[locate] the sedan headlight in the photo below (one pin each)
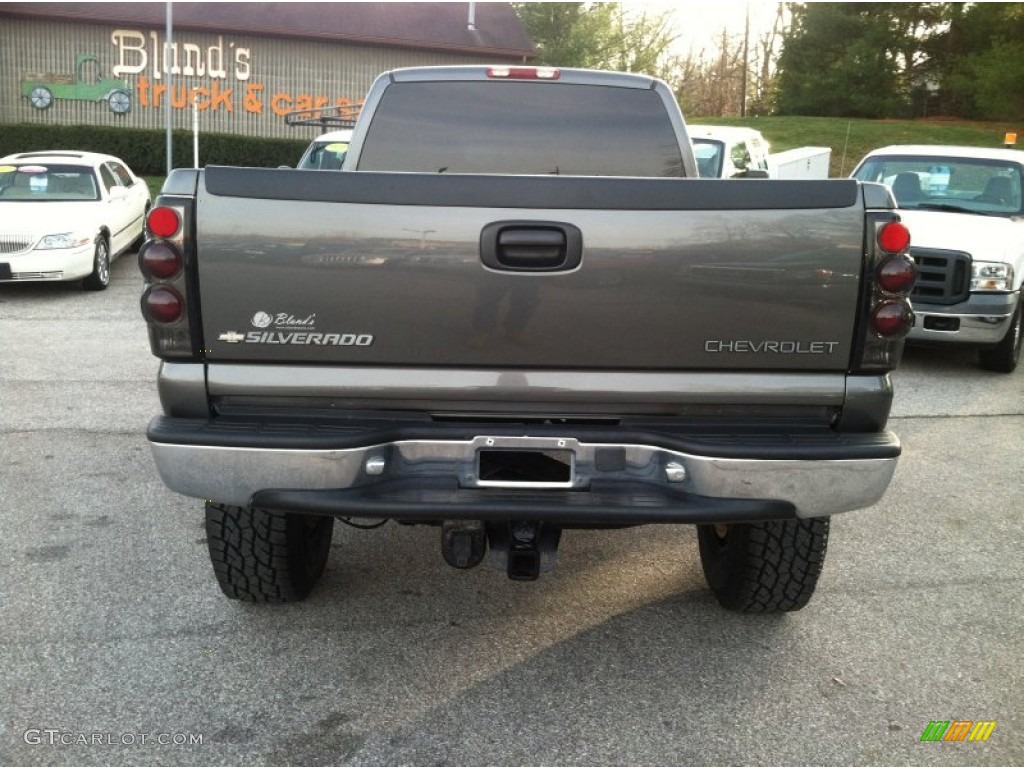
(63, 240)
(991, 276)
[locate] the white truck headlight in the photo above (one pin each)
(63, 240)
(991, 276)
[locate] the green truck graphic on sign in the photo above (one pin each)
(87, 84)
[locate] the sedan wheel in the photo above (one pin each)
(100, 277)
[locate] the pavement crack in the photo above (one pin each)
(933, 416)
(76, 431)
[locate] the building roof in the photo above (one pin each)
(497, 30)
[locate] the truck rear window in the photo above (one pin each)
(521, 128)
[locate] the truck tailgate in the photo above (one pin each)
(393, 269)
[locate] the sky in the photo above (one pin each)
(699, 24)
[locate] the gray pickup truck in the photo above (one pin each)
(514, 312)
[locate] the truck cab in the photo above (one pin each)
(326, 152)
(727, 152)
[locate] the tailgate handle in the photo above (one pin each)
(527, 246)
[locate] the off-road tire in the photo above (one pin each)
(266, 557)
(765, 567)
(1005, 355)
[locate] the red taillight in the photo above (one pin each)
(524, 73)
(893, 237)
(890, 276)
(159, 260)
(896, 275)
(892, 319)
(162, 261)
(163, 305)
(163, 222)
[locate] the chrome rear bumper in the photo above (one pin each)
(806, 487)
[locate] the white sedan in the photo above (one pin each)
(66, 215)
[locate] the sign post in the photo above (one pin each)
(167, 104)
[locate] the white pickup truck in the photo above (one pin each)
(732, 152)
(729, 152)
(326, 152)
(964, 206)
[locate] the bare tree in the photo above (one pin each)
(769, 45)
(710, 83)
(732, 78)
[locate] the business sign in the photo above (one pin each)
(217, 77)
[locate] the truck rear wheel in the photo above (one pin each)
(266, 557)
(1005, 355)
(764, 567)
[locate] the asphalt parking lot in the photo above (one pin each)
(118, 648)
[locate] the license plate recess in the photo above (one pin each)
(525, 463)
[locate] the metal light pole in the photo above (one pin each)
(746, 60)
(167, 103)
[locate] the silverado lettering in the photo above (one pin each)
(337, 339)
(541, 266)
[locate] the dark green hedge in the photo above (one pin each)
(144, 150)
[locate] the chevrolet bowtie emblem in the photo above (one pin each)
(232, 337)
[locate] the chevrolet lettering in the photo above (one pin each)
(772, 347)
